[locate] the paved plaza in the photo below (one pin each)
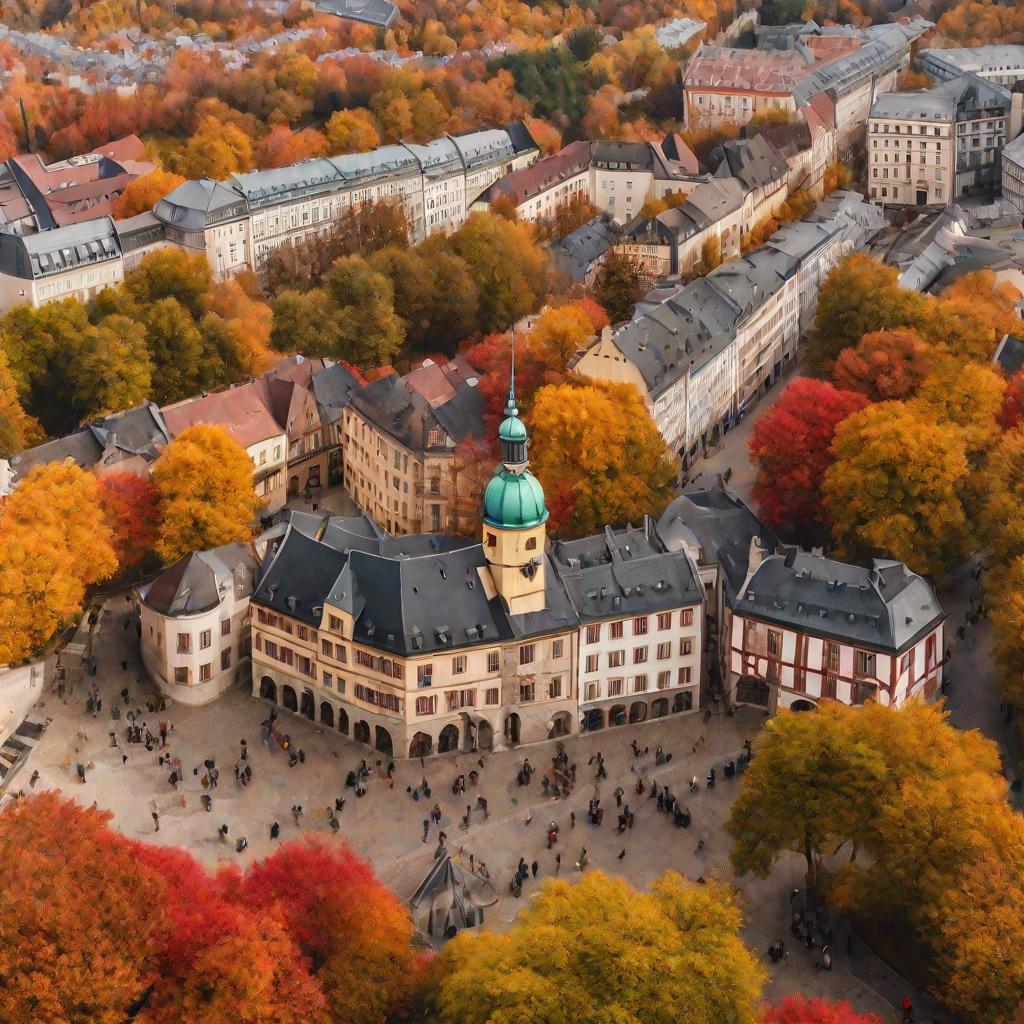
(386, 825)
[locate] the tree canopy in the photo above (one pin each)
(884, 365)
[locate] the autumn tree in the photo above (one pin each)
(971, 315)
(354, 932)
(558, 961)
(368, 331)
(169, 273)
(351, 131)
(18, 430)
(562, 330)
(281, 146)
(884, 365)
(860, 296)
(894, 488)
(801, 1010)
(599, 456)
(215, 150)
(791, 446)
(204, 478)
(1001, 486)
(132, 507)
(112, 369)
(141, 194)
(1012, 411)
(619, 285)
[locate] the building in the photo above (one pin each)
(678, 32)
(926, 148)
(378, 13)
(399, 436)
(1012, 174)
(128, 442)
(424, 644)
(195, 629)
(803, 628)
(1009, 355)
(237, 223)
(641, 611)
(1000, 63)
(552, 182)
(333, 387)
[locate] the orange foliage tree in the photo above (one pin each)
(132, 507)
(142, 194)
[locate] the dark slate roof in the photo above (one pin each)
(753, 161)
(194, 205)
(40, 255)
(574, 254)
(719, 526)
(333, 387)
(297, 575)
(142, 229)
(625, 572)
(196, 582)
(522, 140)
(1010, 355)
(886, 607)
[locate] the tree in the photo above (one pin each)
(507, 267)
(176, 348)
(141, 194)
(807, 791)
(18, 430)
(1013, 402)
(304, 322)
(884, 365)
(112, 370)
(352, 930)
(562, 960)
(368, 331)
(215, 150)
(598, 455)
(800, 1010)
(169, 273)
(281, 146)
(791, 445)
(351, 131)
(972, 314)
(204, 478)
(860, 296)
(132, 507)
(429, 118)
(562, 330)
(1001, 486)
(619, 285)
(895, 488)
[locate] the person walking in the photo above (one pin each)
(156, 820)
(244, 755)
(296, 813)
(908, 1010)
(558, 863)
(534, 867)
(426, 828)
(275, 830)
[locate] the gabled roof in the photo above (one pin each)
(196, 583)
(333, 387)
(240, 410)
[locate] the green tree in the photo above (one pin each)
(112, 371)
(304, 322)
(599, 951)
(619, 285)
(369, 332)
(169, 274)
(895, 488)
(204, 478)
(176, 348)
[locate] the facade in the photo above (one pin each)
(195, 623)
(237, 223)
(399, 436)
(926, 148)
(641, 612)
(804, 628)
(1012, 174)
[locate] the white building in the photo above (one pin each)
(1000, 63)
(804, 628)
(1012, 173)
(195, 638)
(641, 612)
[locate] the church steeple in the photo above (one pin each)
(513, 439)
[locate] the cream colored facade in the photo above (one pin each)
(82, 282)
(911, 162)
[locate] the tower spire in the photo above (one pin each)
(510, 407)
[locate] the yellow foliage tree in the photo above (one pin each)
(562, 331)
(204, 478)
(972, 314)
(351, 131)
(142, 194)
(216, 150)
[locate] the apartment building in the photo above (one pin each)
(641, 625)
(1012, 174)
(237, 223)
(999, 63)
(804, 628)
(195, 631)
(399, 436)
(927, 148)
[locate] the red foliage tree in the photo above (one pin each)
(884, 365)
(790, 444)
(1013, 402)
(798, 1010)
(132, 506)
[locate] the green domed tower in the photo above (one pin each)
(514, 534)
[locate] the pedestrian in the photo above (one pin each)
(339, 804)
(618, 796)
(908, 1010)
(35, 778)
(124, 668)
(572, 819)
(156, 820)
(275, 830)
(245, 751)
(426, 828)
(534, 867)
(296, 813)
(558, 863)
(124, 760)
(222, 832)
(622, 854)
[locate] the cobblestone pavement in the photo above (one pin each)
(385, 826)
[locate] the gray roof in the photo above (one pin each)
(625, 572)
(752, 279)
(197, 582)
(57, 250)
(959, 98)
(194, 205)
(993, 57)
(678, 32)
(1010, 355)
(138, 231)
(379, 13)
(887, 607)
(332, 388)
(753, 161)
(720, 527)
(575, 253)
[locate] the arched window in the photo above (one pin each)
(531, 543)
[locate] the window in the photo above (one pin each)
(328, 680)
(531, 543)
(424, 675)
(685, 646)
(555, 687)
(665, 620)
(493, 661)
(615, 687)
(269, 647)
(831, 686)
(832, 657)
(616, 630)
(616, 659)
(459, 665)
(426, 705)
(491, 540)
(181, 675)
(774, 642)
(664, 651)
(557, 647)
(303, 633)
(639, 655)
(526, 654)
(864, 662)
(225, 659)
(664, 680)
(686, 617)
(225, 627)
(184, 643)
(527, 692)
(491, 695)
(640, 626)
(639, 684)
(685, 675)
(335, 623)
(593, 691)
(592, 663)
(205, 672)
(327, 647)
(593, 634)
